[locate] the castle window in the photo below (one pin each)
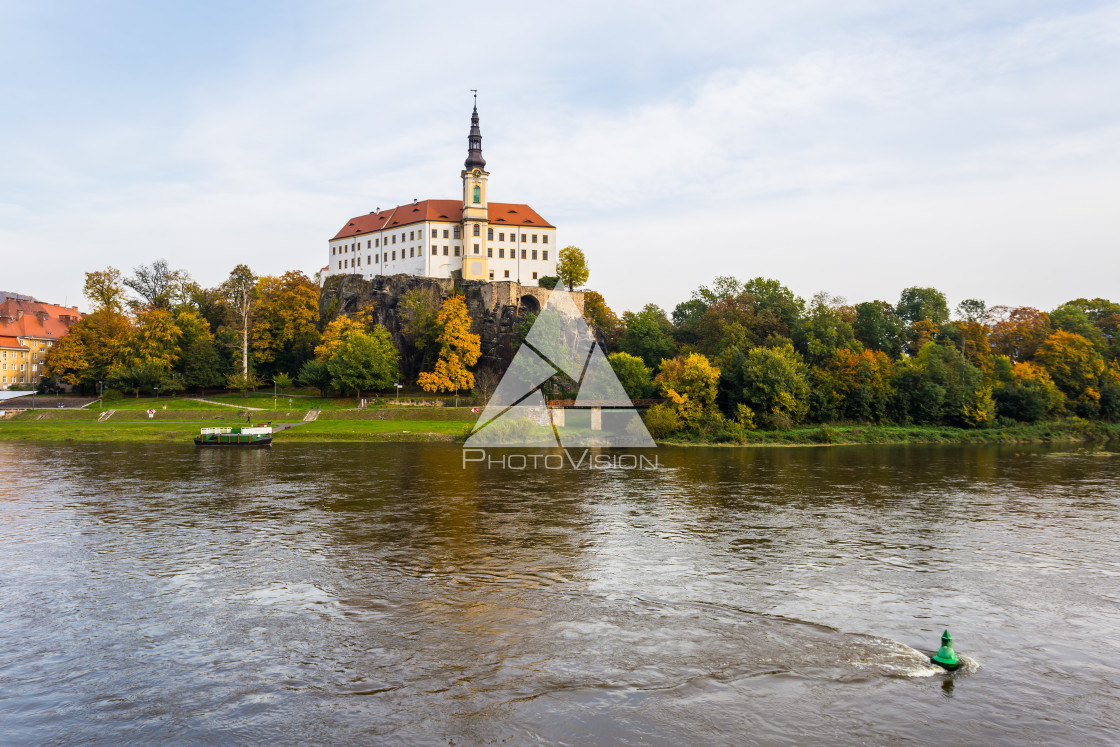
(544, 253)
(369, 244)
(489, 251)
(358, 261)
(544, 240)
(507, 273)
(524, 237)
(435, 233)
(435, 250)
(501, 237)
(412, 236)
(534, 238)
(476, 231)
(501, 252)
(489, 234)
(410, 253)
(377, 258)
(340, 264)
(394, 255)
(523, 253)
(534, 276)
(476, 248)
(477, 194)
(402, 241)
(534, 254)
(491, 274)
(445, 233)
(458, 232)
(445, 251)
(456, 250)
(377, 242)
(394, 240)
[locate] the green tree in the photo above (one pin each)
(916, 304)
(365, 362)
(648, 335)
(572, 267)
(632, 374)
(878, 327)
(772, 382)
(315, 373)
(240, 292)
(142, 376)
(973, 310)
(419, 317)
(938, 386)
(158, 286)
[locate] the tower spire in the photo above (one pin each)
(474, 140)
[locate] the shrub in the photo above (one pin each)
(662, 420)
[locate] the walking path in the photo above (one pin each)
(105, 416)
(311, 416)
(226, 404)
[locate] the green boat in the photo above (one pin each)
(254, 435)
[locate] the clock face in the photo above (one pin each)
(478, 172)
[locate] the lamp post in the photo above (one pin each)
(274, 394)
(156, 388)
(398, 386)
(101, 395)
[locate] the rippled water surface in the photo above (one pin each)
(382, 593)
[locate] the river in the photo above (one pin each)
(386, 594)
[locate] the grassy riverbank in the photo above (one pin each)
(183, 419)
(1065, 431)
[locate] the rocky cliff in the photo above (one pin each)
(495, 309)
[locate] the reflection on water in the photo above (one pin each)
(343, 593)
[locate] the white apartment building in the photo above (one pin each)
(433, 238)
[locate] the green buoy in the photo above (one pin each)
(946, 657)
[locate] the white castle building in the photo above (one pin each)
(485, 240)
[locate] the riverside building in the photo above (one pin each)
(493, 241)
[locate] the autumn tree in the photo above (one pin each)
(600, 316)
(860, 384)
(284, 324)
(1075, 366)
(1020, 333)
(104, 289)
(689, 383)
(419, 312)
(156, 339)
(572, 267)
(459, 350)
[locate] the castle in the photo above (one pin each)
(489, 241)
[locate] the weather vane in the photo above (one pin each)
(475, 92)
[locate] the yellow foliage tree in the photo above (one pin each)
(459, 350)
(689, 383)
(334, 334)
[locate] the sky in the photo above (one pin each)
(857, 148)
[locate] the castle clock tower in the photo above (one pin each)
(475, 218)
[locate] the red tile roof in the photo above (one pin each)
(34, 319)
(11, 342)
(450, 211)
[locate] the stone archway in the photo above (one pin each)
(530, 303)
